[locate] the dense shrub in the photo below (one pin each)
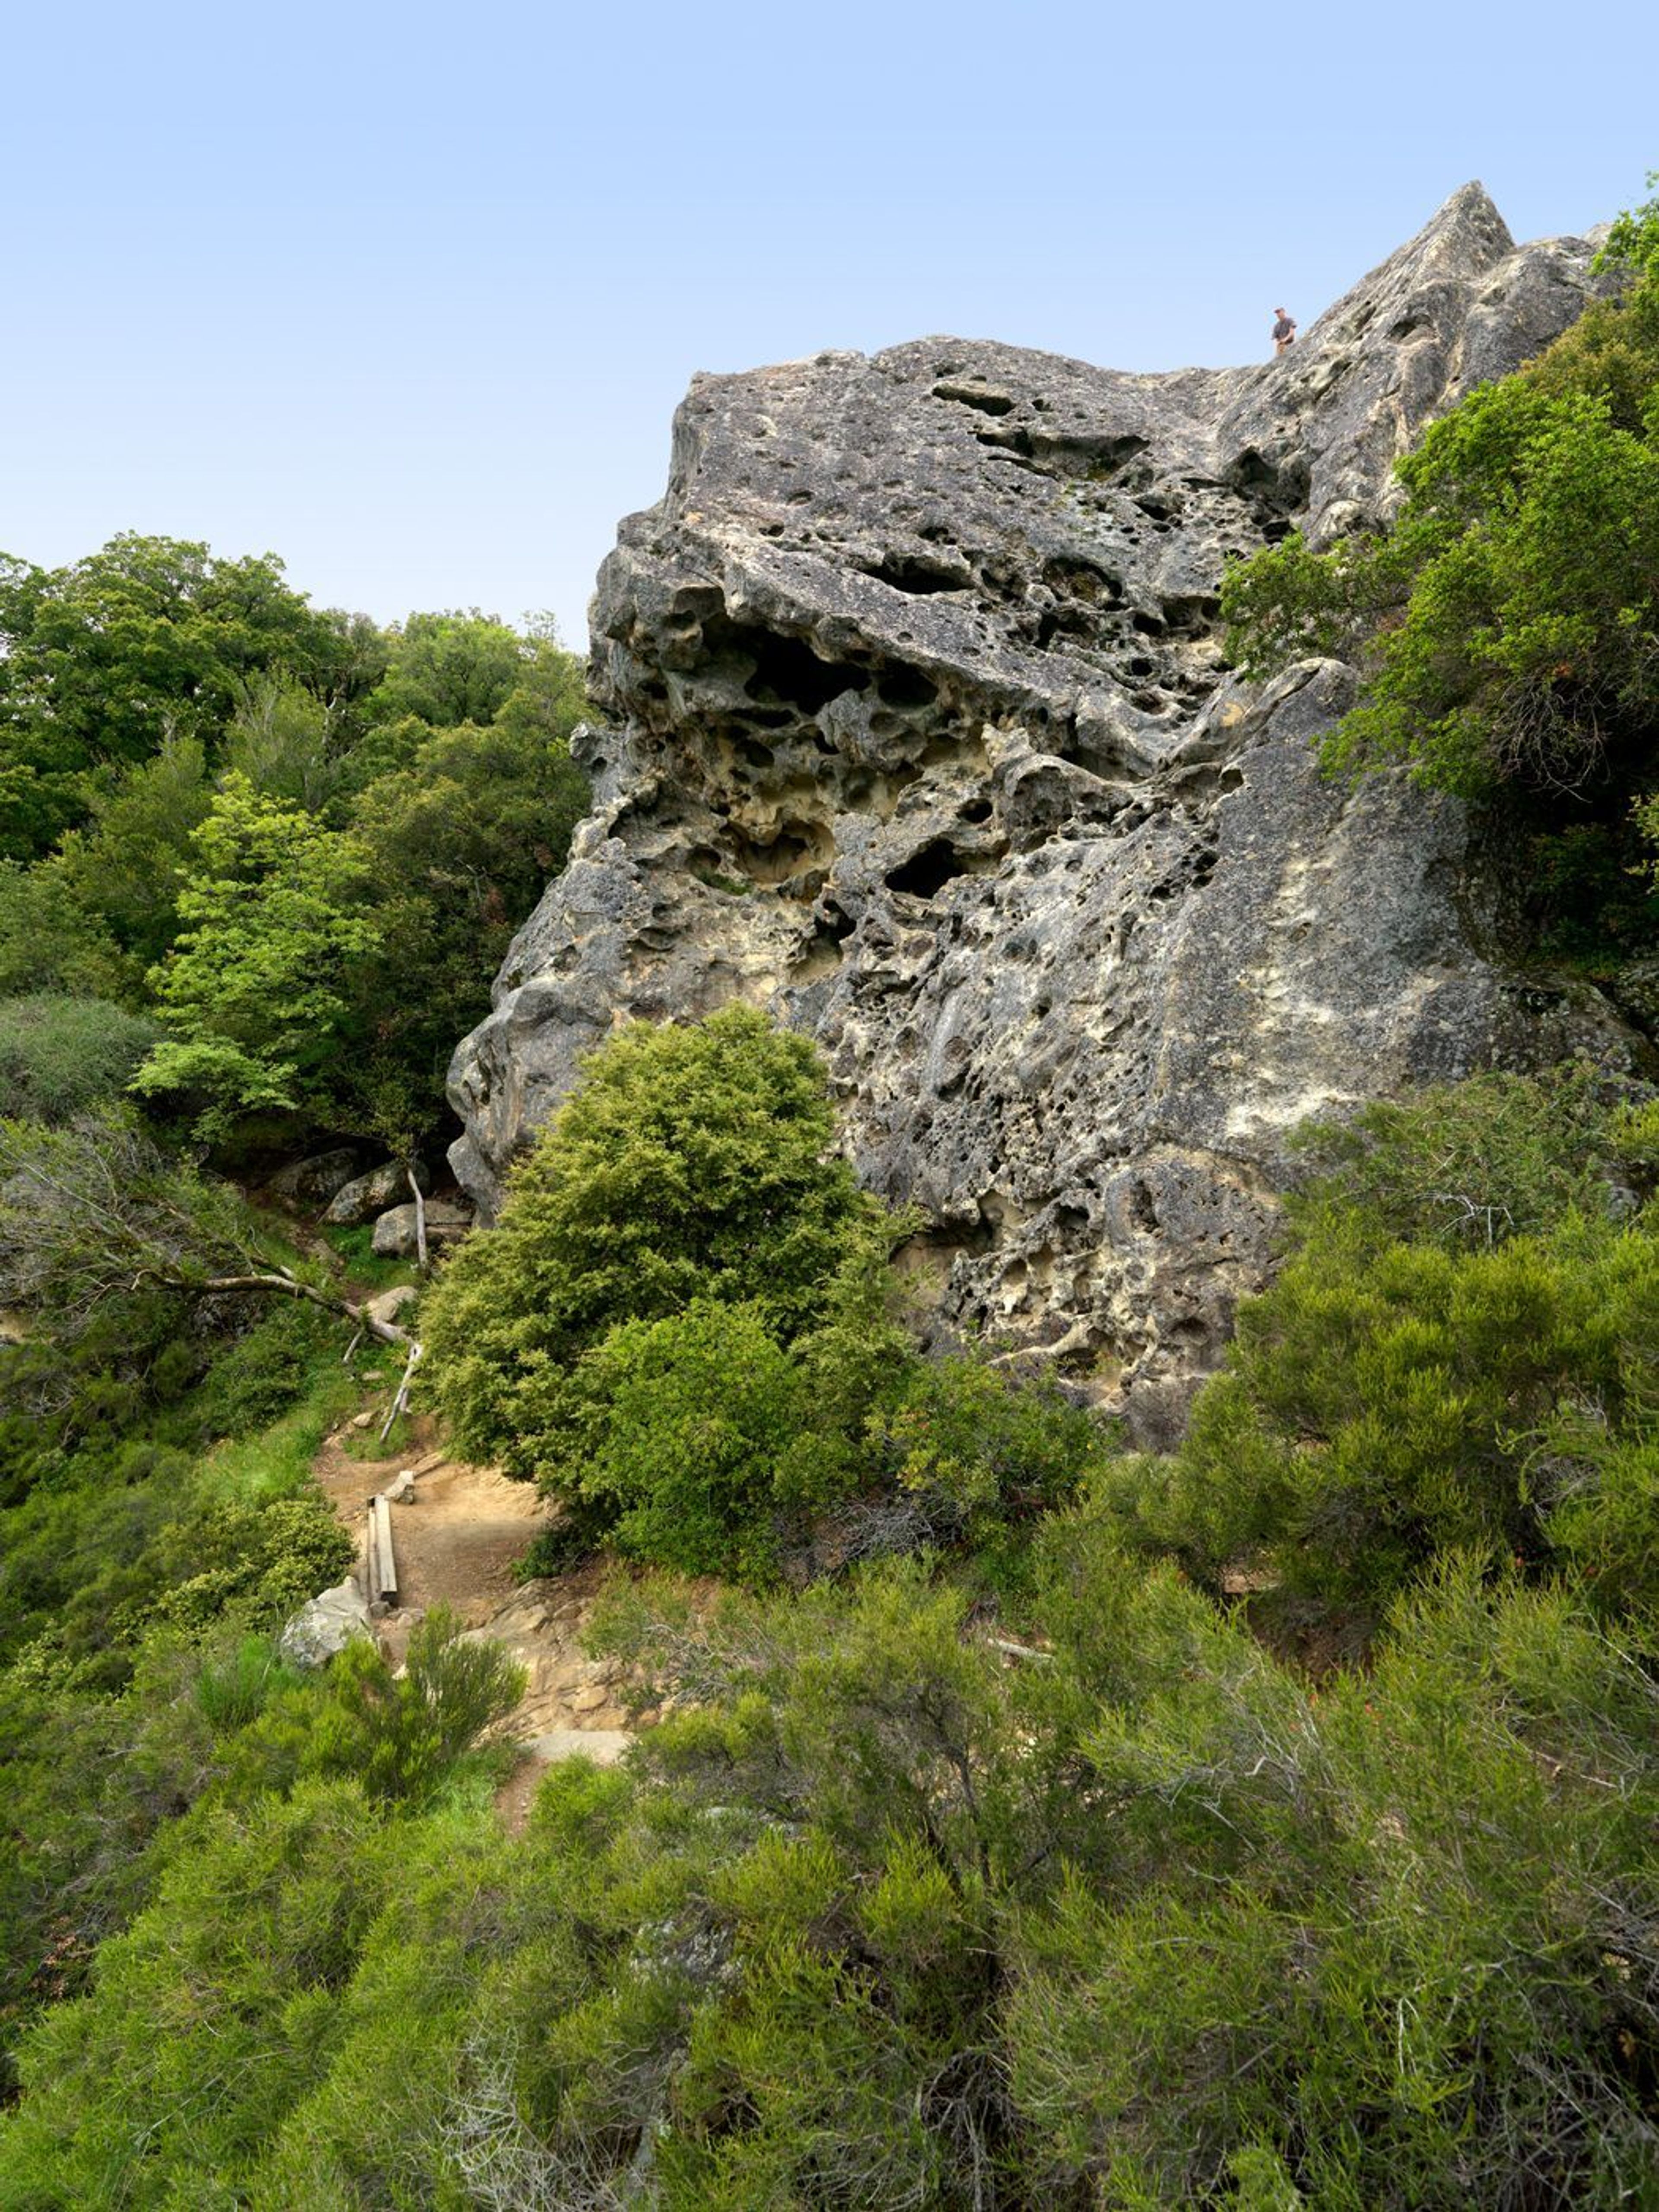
(887, 1916)
(59, 1056)
(1506, 625)
(691, 1164)
(1421, 1378)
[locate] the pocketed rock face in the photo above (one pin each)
(922, 741)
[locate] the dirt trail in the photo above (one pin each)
(456, 1539)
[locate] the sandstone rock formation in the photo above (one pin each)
(923, 741)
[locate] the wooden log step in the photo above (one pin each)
(382, 1562)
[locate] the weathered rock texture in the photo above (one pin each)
(923, 742)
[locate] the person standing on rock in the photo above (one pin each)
(1283, 331)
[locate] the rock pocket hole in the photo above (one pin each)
(927, 872)
(917, 579)
(968, 395)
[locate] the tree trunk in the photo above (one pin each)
(284, 1287)
(420, 1220)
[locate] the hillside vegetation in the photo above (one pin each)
(1035, 1823)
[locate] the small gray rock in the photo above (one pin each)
(313, 1182)
(446, 1221)
(366, 1195)
(326, 1625)
(386, 1306)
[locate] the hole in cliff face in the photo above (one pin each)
(918, 578)
(968, 395)
(796, 849)
(927, 872)
(902, 688)
(1096, 460)
(1280, 486)
(977, 811)
(1191, 617)
(1015, 441)
(1081, 580)
(785, 670)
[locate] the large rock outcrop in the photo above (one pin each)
(922, 740)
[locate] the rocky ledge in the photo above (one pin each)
(922, 740)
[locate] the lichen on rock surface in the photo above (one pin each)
(922, 738)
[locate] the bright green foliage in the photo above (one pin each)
(1467, 1165)
(451, 668)
(1633, 238)
(681, 1325)
(680, 1430)
(50, 944)
(128, 1574)
(972, 1446)
(124, 869)
(886, 1918)
(254, 986)
(1518, 587)
(1421, 1378)
(692, 1163)
(1508, 625)
(398, 1735)
(150, 638)
(284, 739)
(1396, 1942)
(459, 844)
(184, 740)
(206, 2022)
(59, 1056)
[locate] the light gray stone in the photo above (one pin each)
(386, 1306)
(366, 1195)
(605, 1746)
(309, 1183)
(447, 1219)
(919, 736)
(326, 1625)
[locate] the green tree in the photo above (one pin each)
(1456, 1357)
(691, 1163)
(1508, 625)
(451, 668)
(254, 989)
(148, 639)
(125, 867)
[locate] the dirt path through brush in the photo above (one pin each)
(457, 1538)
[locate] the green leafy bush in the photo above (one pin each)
(691, 1164)
(49, 945)
(1420, 1378)
(59, 1056)
(1506, 626)
(680, 1430)
(398, 1733)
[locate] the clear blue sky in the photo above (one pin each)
(408, 295)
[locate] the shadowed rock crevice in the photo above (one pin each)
(919, 736)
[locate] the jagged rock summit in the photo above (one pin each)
(922, 740)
